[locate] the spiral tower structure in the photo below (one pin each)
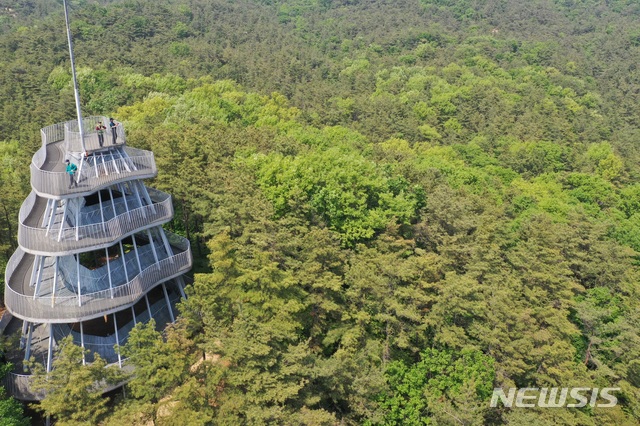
(93, 258)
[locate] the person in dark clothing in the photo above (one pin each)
(100, 128)
(71, 170)
(113, 126)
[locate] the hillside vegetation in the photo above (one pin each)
(396, 206)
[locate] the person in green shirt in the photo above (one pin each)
(71, 170)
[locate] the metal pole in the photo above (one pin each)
(47, 211)
(137, 192)
(135, 249)
(39, 279)
(23, 339)
(124, 261)
(115, 326)
(113, 203)
(146, 299)
(147, 197)
(181, 285)
(50, 351)
(113, 161)
(82, 343)
(78, 223)
(153, 247)
(167, 246)
(78, 272)
(104, 165)
(106, 251)
(52, 212)
(75, 78)
(64, 218)
(166, 297)
(124, 198)
(95, 163)
(27, 353)
(55, 282)
(104, 228)
(34, 270)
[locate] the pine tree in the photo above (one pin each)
(73, 391)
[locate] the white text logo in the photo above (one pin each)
(555, 397)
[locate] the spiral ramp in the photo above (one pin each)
(93, 258)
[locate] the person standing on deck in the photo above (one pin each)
(71, 170)
(100, 128)
(113, 126)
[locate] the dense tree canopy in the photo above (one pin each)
(396, 206)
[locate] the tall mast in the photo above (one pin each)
(75, 79)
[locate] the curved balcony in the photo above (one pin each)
(20, 386)
(49, 179)
(52, 133)
(105, 346)
(20, 301)
(18, 383)
(70, 133)
(91, 142)
(66, 240)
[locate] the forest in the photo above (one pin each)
(395, 206)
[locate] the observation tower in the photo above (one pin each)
(93, 258)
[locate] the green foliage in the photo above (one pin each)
(350, 193)
(257, 368)
(592, 189)
(159, 366)
(11, 411)
(455, 179)
(535, 158)
(440, 378)
(630, 200)
(179, 49)
(603, 161)
(59, 78)
(181, 30)
(72, 390)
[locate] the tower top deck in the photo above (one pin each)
(69, 132)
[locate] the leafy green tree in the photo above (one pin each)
(11, 411)
(349, 192)
(442, 384)
(73, 391)
(605, 162)
(159, 366)
(356, 195)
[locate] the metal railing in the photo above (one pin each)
(91, 140)
(138, 164)
(59, 309)
(39, 157)
(107, 351)
(20, 385)
(70, 133)
(53, 133)
(71, 239)
(12, 265)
